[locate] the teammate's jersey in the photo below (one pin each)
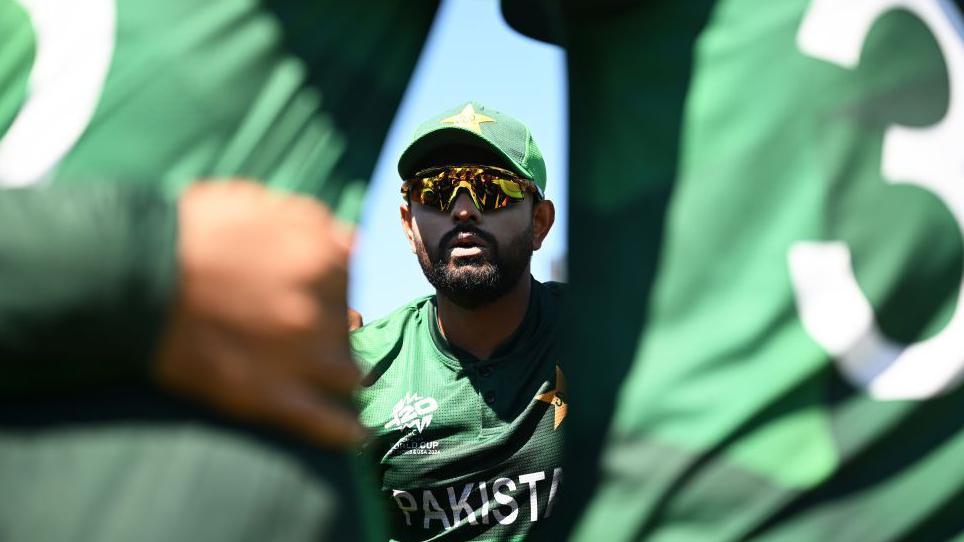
(467, 449)
(765, 265)
(298, 93)
(158, 93)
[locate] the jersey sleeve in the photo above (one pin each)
(374, 343)
(88, 273)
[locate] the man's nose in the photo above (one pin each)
(463, 209)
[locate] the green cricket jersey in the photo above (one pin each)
(765, 264)
(110, 107)
(466, 449)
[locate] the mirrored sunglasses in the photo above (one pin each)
(490, 188)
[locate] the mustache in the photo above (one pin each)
(467, 228)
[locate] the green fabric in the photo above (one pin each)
(100, 324)
(721, 145)
(296, 93)
(474, 125)
(16, 57)
(464, 447)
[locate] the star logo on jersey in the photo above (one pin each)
(557, 398)
(412, 411)
(468, 119)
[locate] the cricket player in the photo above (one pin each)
(173, 353)
(464, 396)
(765, 263)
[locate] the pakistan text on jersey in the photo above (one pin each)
(498, 500)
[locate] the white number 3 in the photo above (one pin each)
(832, 307)
(75, 45)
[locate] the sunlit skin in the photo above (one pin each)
(481, 330)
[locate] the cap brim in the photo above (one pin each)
(415, 155)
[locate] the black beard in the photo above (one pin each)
(471, 282)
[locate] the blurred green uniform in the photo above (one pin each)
(466, 449)
(726, 159)
(112, 103)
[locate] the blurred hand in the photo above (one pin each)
(354, 319)
(258, 330)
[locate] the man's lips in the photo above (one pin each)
(466, 244)
(465, 239)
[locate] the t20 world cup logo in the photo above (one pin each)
(412, 411)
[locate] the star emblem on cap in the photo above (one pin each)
(468, 119)
(557, 398)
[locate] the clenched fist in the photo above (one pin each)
(258, 330)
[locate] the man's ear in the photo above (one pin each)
(405, 213)
(543, 216)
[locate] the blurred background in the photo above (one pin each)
(471, 54)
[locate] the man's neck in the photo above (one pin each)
(481, 330)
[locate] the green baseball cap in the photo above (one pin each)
(473, 125)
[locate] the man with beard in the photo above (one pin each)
(464, 397)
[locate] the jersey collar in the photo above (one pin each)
(456, 357)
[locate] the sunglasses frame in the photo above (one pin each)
(528, 186)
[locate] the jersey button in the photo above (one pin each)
(489, 397)
(485, 371)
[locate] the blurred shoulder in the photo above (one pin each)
(554, 292)
(557, 289)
